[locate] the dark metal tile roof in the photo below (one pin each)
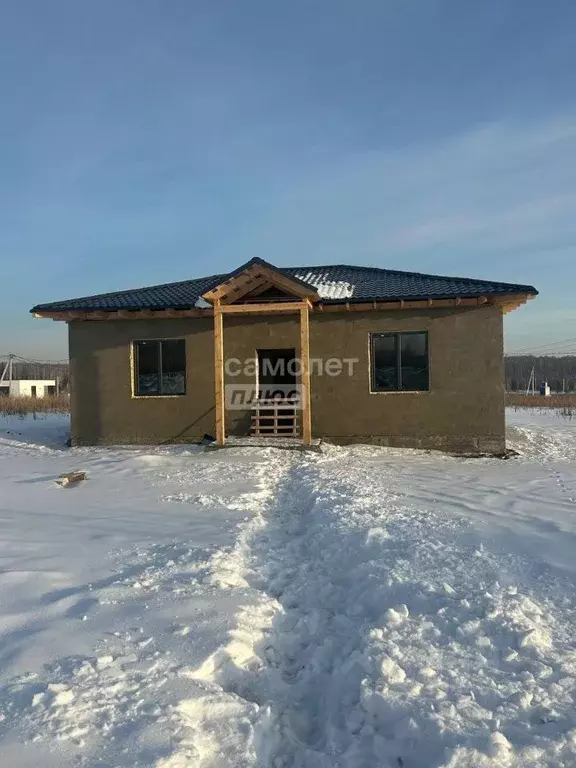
(335, 284)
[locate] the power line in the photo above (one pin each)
(559, 352)
(540, 348)
(22, 359)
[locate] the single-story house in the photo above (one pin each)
(28, 387)
(344, 353)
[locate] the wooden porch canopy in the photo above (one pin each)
(260, 288)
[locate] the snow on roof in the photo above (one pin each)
(327, 288)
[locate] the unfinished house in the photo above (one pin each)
(343, 353)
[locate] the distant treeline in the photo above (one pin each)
(559, 372)
(35, 370)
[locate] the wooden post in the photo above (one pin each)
(219, 374)
(305, 375)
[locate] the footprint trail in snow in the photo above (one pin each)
(381, 640)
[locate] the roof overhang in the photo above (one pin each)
(506, 302)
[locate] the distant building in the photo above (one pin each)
(28, 388)
(545, 389)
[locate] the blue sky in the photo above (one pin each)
(148, 141)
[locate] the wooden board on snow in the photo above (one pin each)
(68, 478)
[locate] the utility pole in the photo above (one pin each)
(7, 370)
(531, 382)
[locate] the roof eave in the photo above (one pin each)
(530, 293)
(507, 301)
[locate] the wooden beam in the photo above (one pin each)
(509, 302)
(387, 306)
(96, 316)
(219, 375)
(256, 291)
(510, 305)
(228, 286)
(305, 375)
(167, 313)
(241, 282)
(269, 308)
(49, 315)
(124, 314)
(500, 298)
(509, 299)
(235, 286)
(253, 287)
(69, 478)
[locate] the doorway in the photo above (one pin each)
(275, 412)
(276, 372)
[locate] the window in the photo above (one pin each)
(159, 368)
(399, 362)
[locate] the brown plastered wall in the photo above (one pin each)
(103, 408)
(464, 410)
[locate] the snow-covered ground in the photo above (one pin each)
(356, 608)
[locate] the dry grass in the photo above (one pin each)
(20, 406)
(564, 404)
(514, 399)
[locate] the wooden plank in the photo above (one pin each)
(305, 375)
(387, 306)
(238, 292)
(277, 432)
(269, 417)
(98, 316)
(219, 375)
(254, 292)
(240, 282)
(64, 316)
(232, 284)
(289, 285)
(504, 298)
(148, 314)
(241, 309)
(507, 300)
(151, 314)
(69, 478)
